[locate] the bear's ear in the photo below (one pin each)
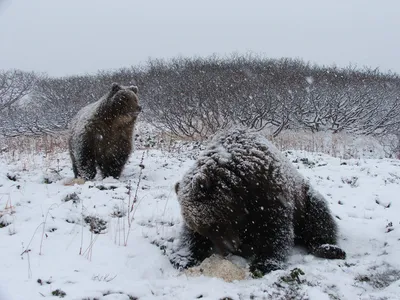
(115, 87)
(176, 187)
(134, 89)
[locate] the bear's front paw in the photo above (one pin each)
(329, 251)
(259, 268)
(180, 261)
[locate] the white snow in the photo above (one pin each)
(41, 247)
(310, 79)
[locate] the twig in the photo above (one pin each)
(80, 249)
(90, 247)
(44, 227)
(130, 206)
(26, 251)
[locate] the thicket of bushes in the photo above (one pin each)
(193, 97)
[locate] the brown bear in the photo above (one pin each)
(243, 197)
(101, 133)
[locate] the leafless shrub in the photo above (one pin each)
(192, 98)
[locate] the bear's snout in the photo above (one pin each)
(136, 112)
(225, 240)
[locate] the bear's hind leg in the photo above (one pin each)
(87, 164)
(74, 167)
(320, 230)
(193, 249)
(75, 170)
(88, 169)
(112, 167)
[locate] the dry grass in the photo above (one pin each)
(6, 213)
(45, 144)
(338, 145)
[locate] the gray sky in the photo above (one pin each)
(63, 37)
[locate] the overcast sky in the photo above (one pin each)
(63, 37)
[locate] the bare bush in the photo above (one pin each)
(194, 97)
(14, 85)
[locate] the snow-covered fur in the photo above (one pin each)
(101, 133)
(244, 197)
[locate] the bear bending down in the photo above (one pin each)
(244, 197)
(101, 133)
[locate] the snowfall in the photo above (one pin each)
(110, 239)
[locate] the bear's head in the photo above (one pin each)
(123, 101)
(208, 216)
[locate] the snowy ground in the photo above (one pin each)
(50, 242)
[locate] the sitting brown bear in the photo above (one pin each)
(243, 197)
(101, 133)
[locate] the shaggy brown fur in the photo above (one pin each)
(242, 196)
(101, 133)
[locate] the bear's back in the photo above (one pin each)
(243, 157)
